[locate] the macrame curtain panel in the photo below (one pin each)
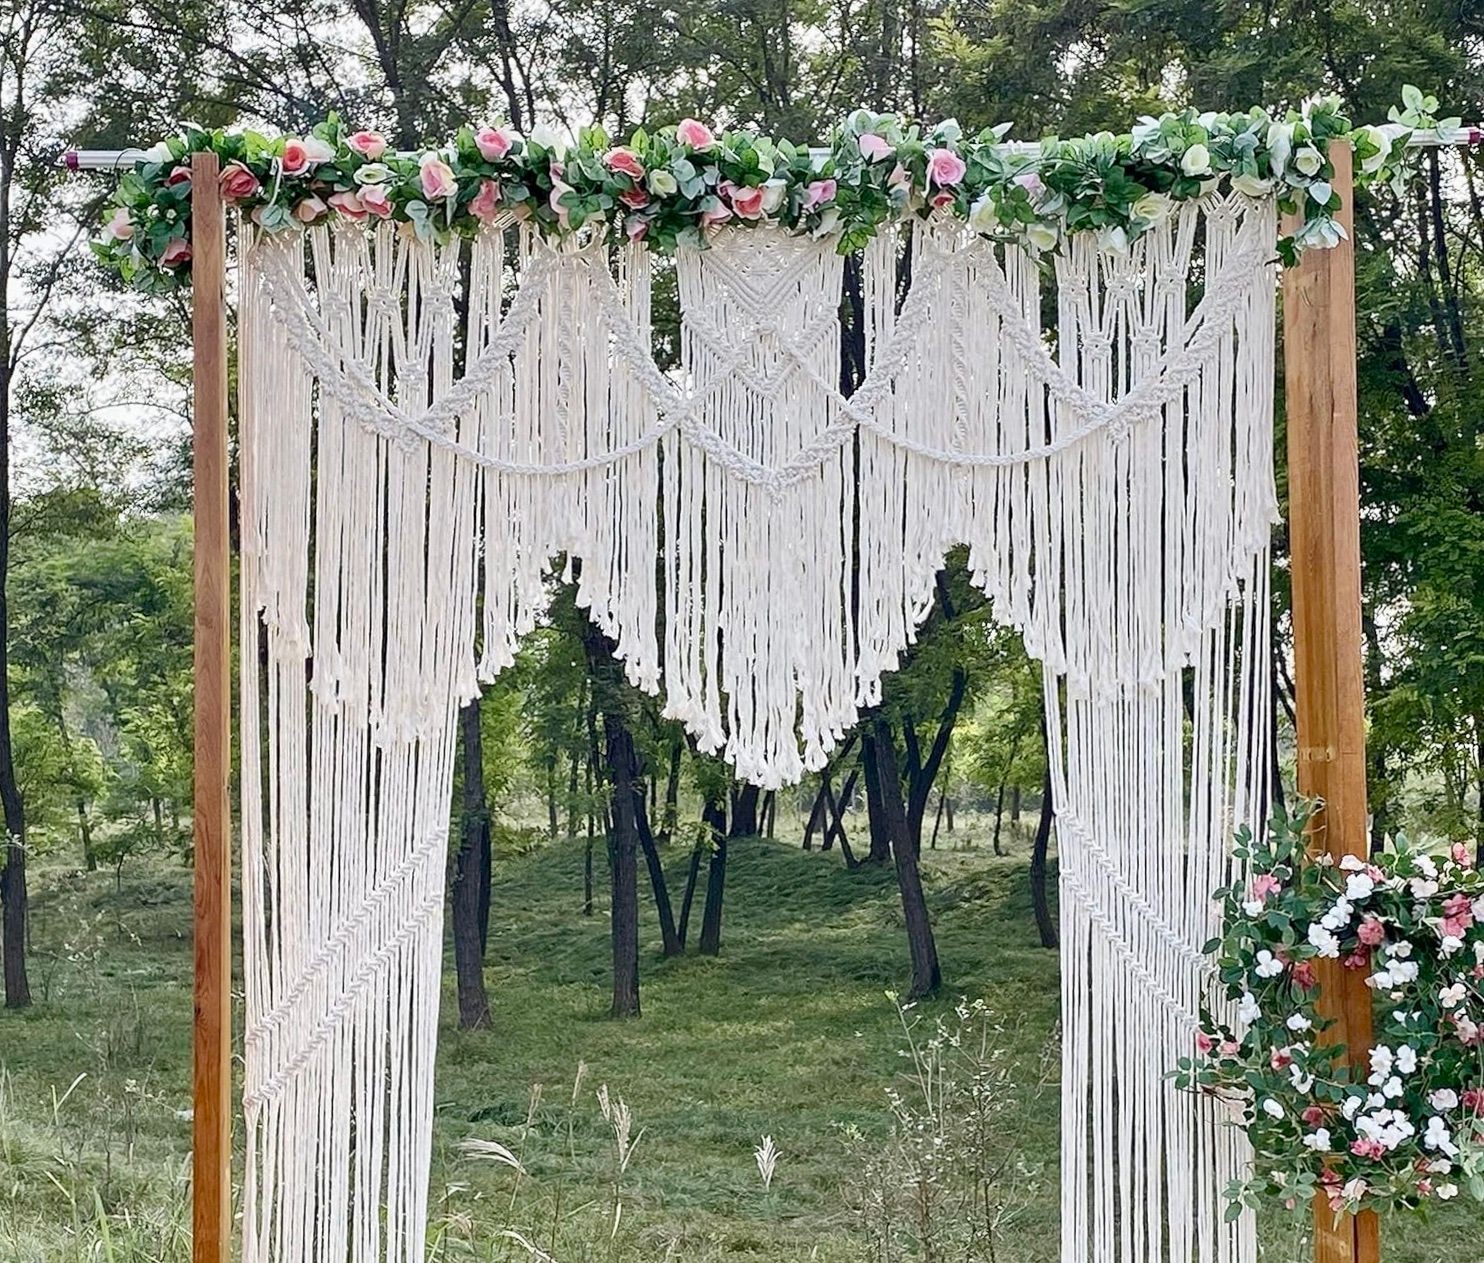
(428, 429)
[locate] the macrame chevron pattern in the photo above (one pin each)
(762, 550)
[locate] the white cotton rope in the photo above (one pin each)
(762, 550)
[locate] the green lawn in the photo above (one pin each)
(790, 1033)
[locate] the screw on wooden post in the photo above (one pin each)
(211, 1164)
(1324, 552)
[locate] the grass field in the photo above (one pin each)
(790, 1033)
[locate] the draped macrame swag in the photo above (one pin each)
(761, 549)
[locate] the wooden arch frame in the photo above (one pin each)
(1324, 550)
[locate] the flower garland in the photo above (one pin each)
(1407, 1129)
(676, 186)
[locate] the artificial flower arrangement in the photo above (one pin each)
(1406, 1129)
(676, 186)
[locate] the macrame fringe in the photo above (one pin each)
(761, 550)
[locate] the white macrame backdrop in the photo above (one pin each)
(400, 521)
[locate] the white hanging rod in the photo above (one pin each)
(112, 159)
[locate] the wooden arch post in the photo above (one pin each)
(211, 1161)
(1324, 552)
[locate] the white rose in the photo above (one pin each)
(1248, 1010)
(1251, 185)
(1357, 885)
(1383, 149)
(773, 191)
(1041, 236)
(1113, 239)
(548, 137)
(1446, 1192)
(1280, 145)
(1267, 965)
(1318, 1140)
(1443, 1099)
(1406, 1059)
(1320, 192)
(157, 153)
(1452, 996)
(1298, 1022)
(317, 150)
(662, 183)
(982, 215)
(1308, 160)
(1196, 160)
(373, 173)
(1153, 207)
(1272, 1108)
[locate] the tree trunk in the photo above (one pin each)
(471, 879)
(744, 812)
(622, 766)
(623, 845)
(716, 882)
(999, 817)
(85, 831)
(1040, 902)
(927, 977)
(672, 944)
(692, 874)
(671, 817)
(879, 826)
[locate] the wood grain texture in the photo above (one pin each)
(211, 1191)
(1324, 546)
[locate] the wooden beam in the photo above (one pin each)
(1324, 551)
(211, 1164)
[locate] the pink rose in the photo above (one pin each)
(177, 252)
(181, 175)
(1372, 933)
(747, 202)
(559, 189)
(1461, 855)
(295, 156)
(1204, 1043)
(874, 148)
(370, 145)
(1459, 906)
(717, 213)
(625, 162)
(635, 227)
(349, 205)
(1359, 959)
(436, 177)
(1230, 1048)
(493, 143)
(942, 199)
(310, 209)
(899, 178)
(1473, 1100)
(376, 200)
(945, 167)
(486, 204)
(1456, 927)
(237, 182)
(120, 227)
(634, 199)
(1281, 1058)
(1265, 884)
(1304, 975)
(1368, 1149)
(818, 193)
(1313, 1115)
(1031, 183)
(696, 135)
